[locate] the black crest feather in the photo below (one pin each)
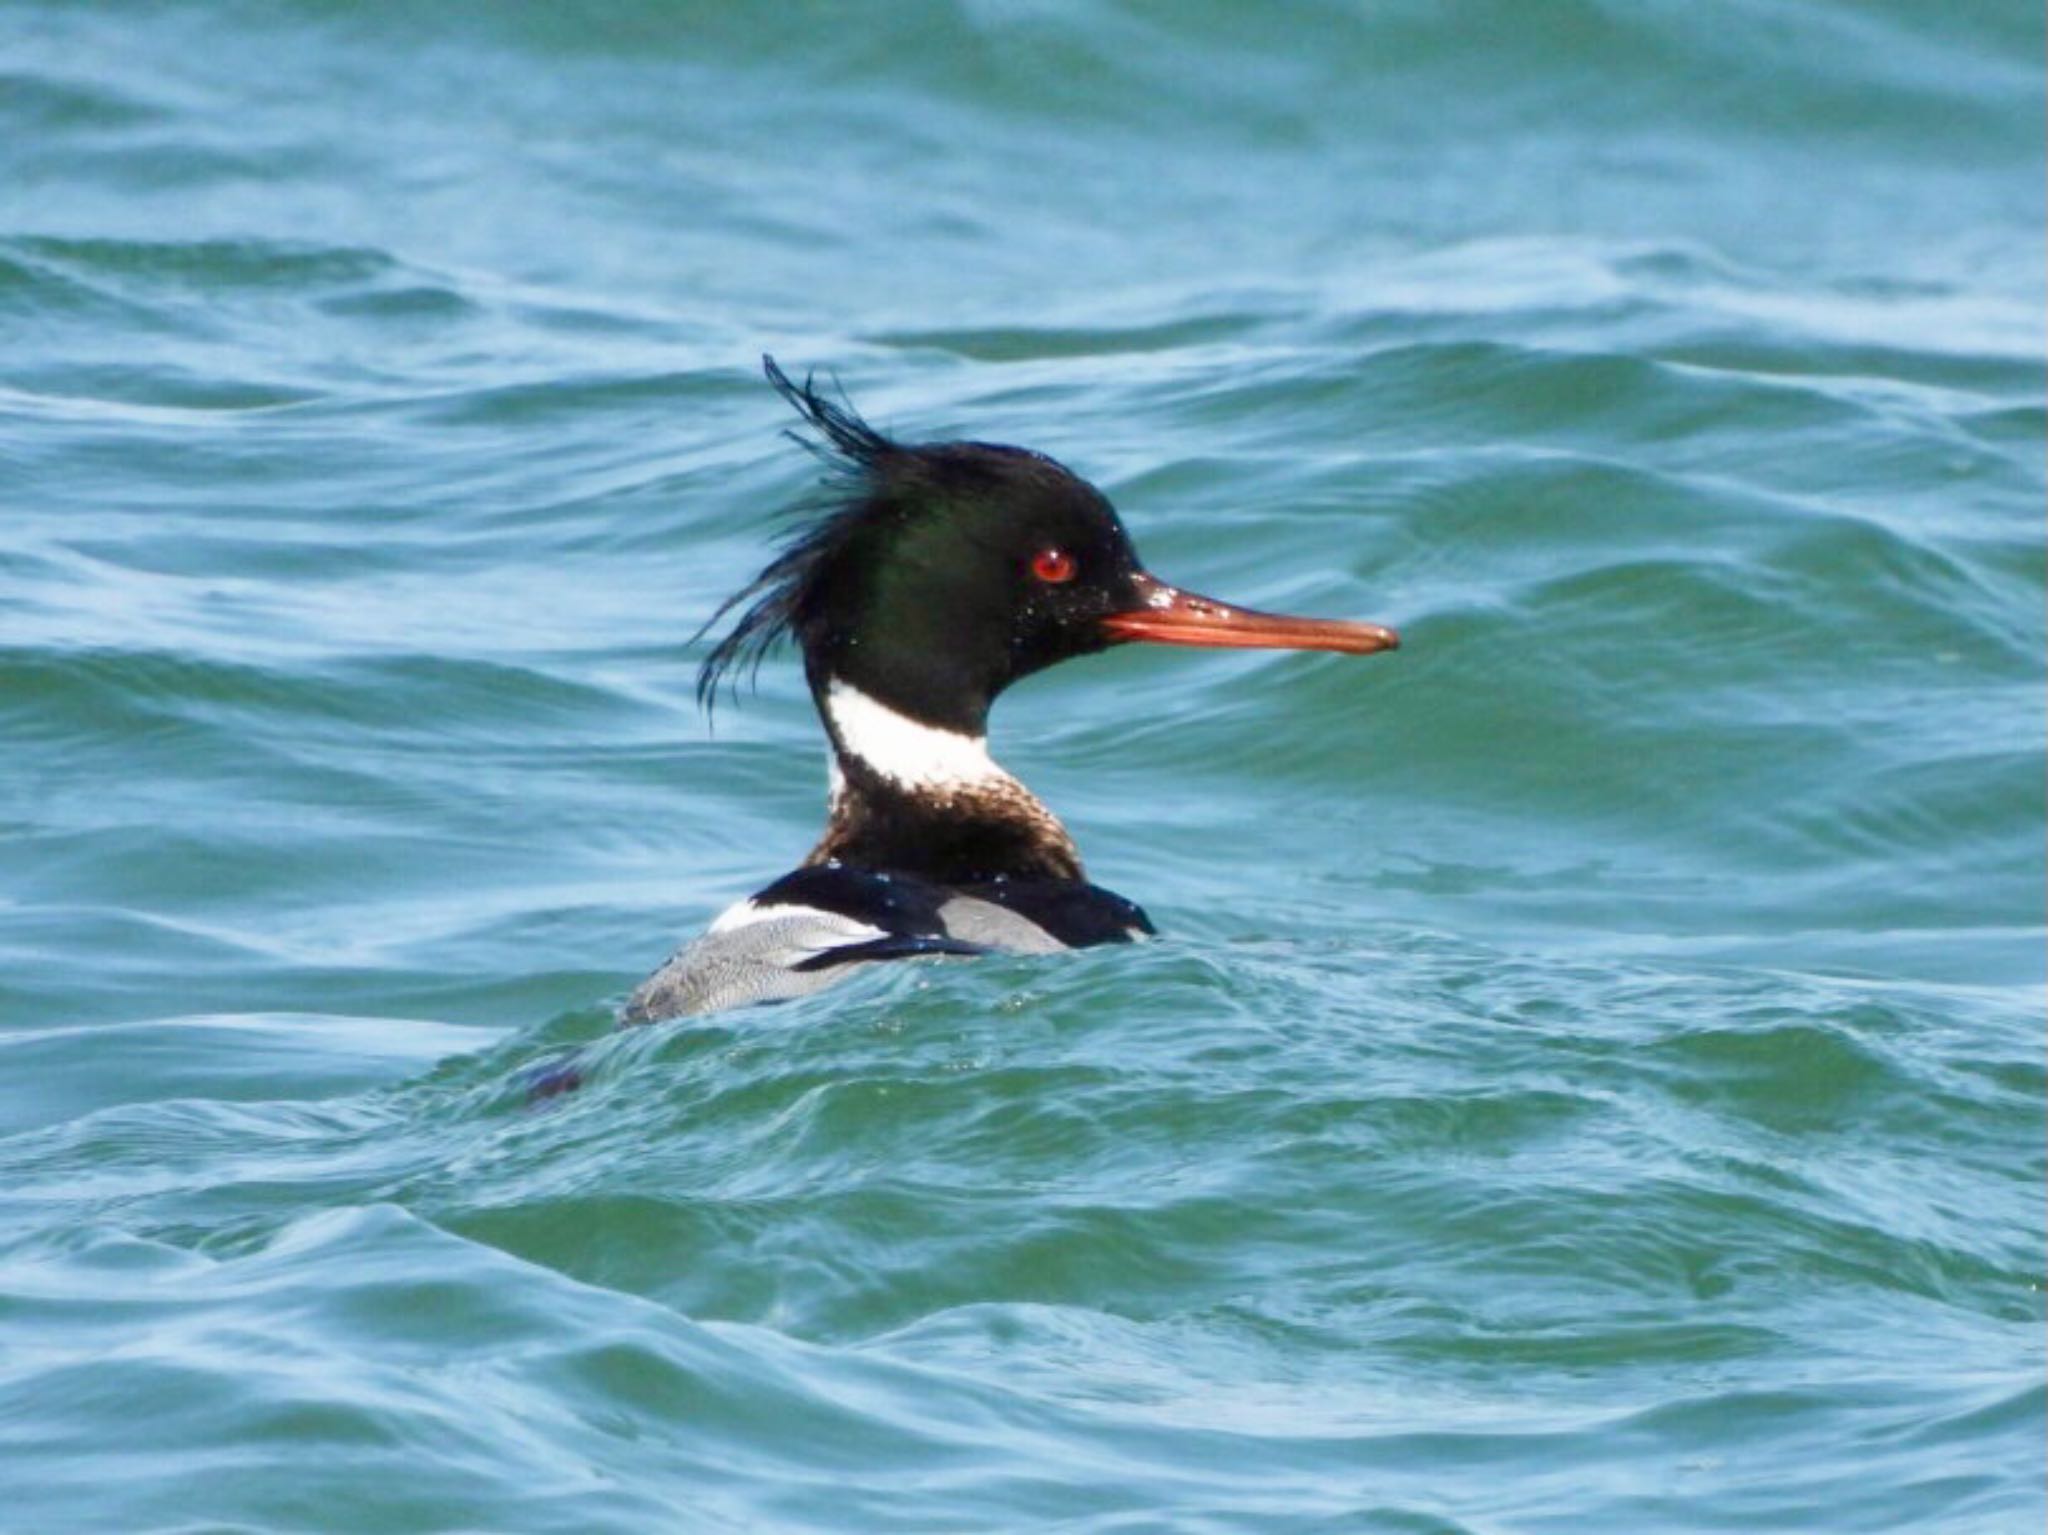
(855, 452)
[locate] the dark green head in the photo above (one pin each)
(939, 573)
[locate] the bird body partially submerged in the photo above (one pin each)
(938, 575)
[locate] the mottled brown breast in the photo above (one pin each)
(955, 836)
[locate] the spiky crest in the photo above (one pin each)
(855, 453)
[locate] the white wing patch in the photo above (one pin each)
(752, 953)
(822, 929)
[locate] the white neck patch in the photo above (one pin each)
(898, 747)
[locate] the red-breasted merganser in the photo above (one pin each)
(938, 574)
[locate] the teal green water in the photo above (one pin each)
(1592, 1077)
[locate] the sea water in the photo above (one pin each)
(1591, 1074)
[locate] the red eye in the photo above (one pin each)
(1053, 566)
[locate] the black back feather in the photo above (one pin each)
(856, 453)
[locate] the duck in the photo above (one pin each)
(928, 578)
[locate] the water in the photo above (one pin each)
(1592, 1078)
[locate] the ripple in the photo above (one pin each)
(211, 265)
(1591, 1076)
